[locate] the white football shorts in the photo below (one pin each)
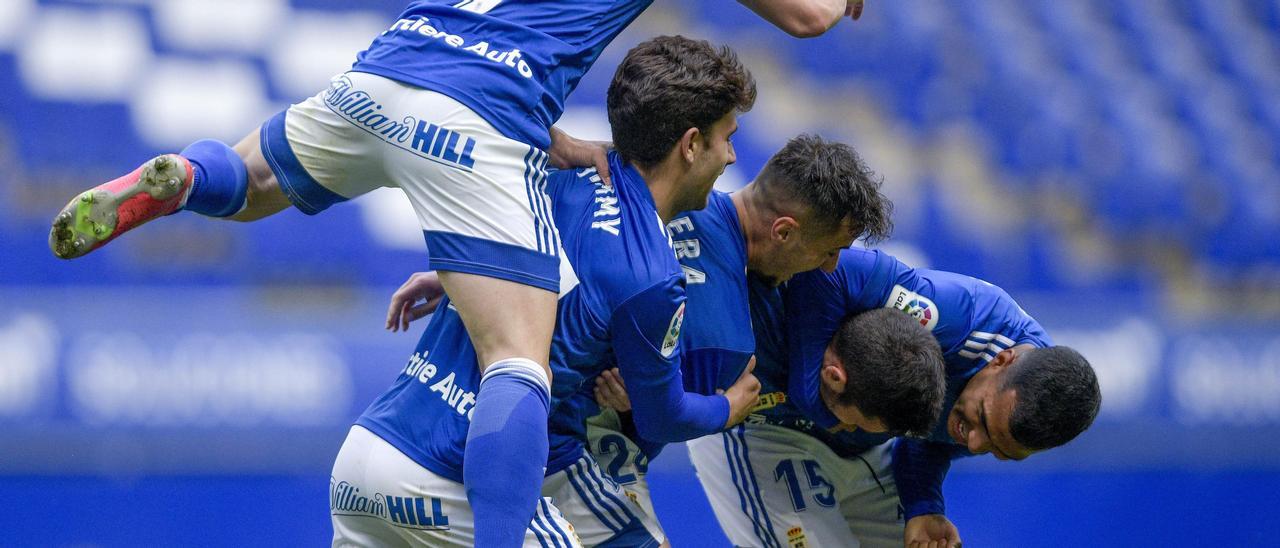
(623, 461)
(618, 511)
(380, 497)
(601, 511)
(774, 487)
(480, 197)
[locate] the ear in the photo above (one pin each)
(1005, 358)
(833, 375)
(690, 144)
(784, 227)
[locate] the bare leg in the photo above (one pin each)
(506, 452)
(265, 197)
(505, 319)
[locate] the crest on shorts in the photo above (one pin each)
(796, 539)
(672, 338)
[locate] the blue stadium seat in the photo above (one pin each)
(1134, 107)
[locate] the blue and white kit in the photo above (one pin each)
(781, 477)
(453, 103)
(717, 340)
(973, 321)
(622, 302)
(788, 475)
(716, 343)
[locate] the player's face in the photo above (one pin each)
(720, 152)
(716, 153)
(813, 248)
(852, 418)
(980, 418)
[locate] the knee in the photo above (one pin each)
(264, 195)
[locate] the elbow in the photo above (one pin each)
(658, 435)
(812, 22)
(805, 30)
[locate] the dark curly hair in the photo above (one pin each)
(667, 85)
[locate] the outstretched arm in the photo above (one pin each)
(805, 18)
(817, 302)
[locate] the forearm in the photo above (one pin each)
(677, 415)
(808, 334)
(919, 468)
(649, 361)
(650, 448)
(799, 18)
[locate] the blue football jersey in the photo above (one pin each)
(972, 320)
(622, 303)
(716, 341)
(738, 314)
(513, 62)
(791, 326)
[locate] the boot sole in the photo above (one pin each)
(91, 218)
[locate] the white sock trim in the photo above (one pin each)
(520, 367)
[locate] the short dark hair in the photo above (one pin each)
(832, 181)
(1057, 397)
(894, 370)
(667, 85)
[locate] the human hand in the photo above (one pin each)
(569, 152)
(611, 392)
(743, 395)
(421, 286)
(931, 531)
(854, 9)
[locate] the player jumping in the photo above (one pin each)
(453, 104)
(673, 106)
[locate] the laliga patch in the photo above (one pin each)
(670, 341)
(918, 306)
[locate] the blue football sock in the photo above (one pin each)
(506, 452)
(221, 179)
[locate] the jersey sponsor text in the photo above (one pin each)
(459, 398)
(421, 26)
